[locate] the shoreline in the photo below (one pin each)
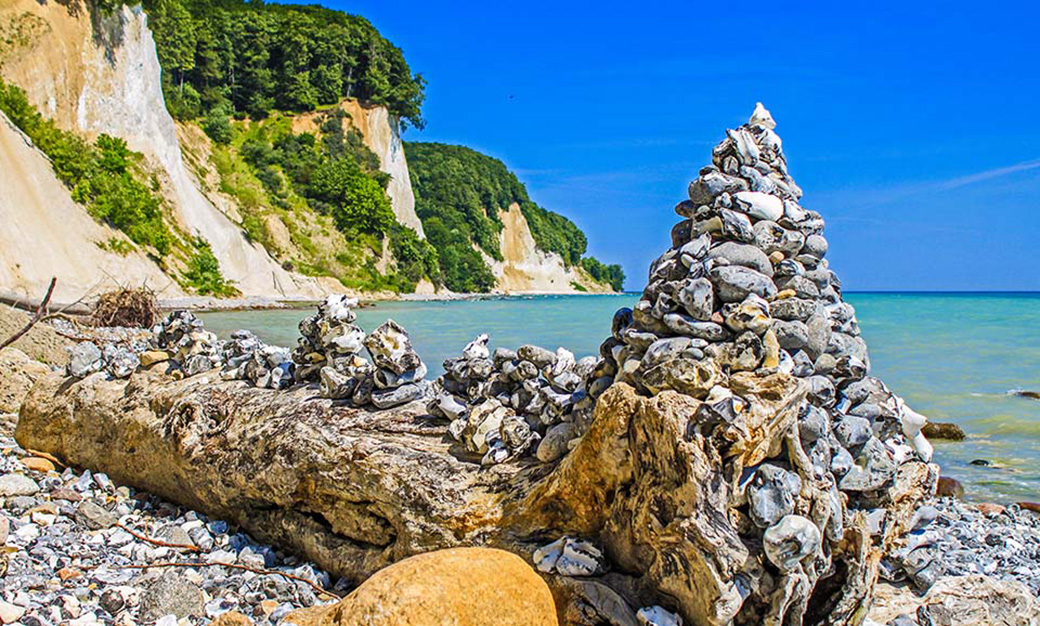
(207, 304)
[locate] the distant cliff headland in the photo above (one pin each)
(240, 149)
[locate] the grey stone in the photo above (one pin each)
(17, 485)
(815, 245)
(698, 298)
(554, 445)
(685, 325)
(94, 517)
(873, 469)
(714, 183)
(539, 356)
(792, 309)
(744, 255)
(171, 594)
(84, 359)
(853, 431)
(733, 283)
(792, 335)
(772, 494)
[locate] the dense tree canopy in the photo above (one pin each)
(458, 194)
(251, 57)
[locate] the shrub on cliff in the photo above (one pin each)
(104, 176)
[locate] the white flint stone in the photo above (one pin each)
(657, 616)
(760, 205)
(762, 117)
(790, 540)
(478, 348)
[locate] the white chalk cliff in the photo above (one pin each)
(114, 87)
(525, 268)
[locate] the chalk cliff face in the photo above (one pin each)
(43, 233)
(527, 269)
(107, 80)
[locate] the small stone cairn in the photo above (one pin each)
(511, 403)
(330, 351)
(746, 287)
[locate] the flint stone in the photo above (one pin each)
(733, 283)
(853, 431)
(84, 359)
(94, 517)
(816, 246)
(687, 326)
(792, 335)
(802, 287)
(772, 494)
(771, 237)
(745, 354)
(698, 298)
(12, 485)
(681, 372)
(682, 232)
(821, 391)
(751, 314)
(759, 205)
(873, 468)
(541, 357)
(736, 226)
(819, 328)
(793, 309)
(744, 255)
(803, 365)
(813, 423)
(554, 445)
(391, 348)
(171, 594)
(396, 396)
(788, 542)
(714, 183)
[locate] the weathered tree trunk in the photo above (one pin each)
(354, 490)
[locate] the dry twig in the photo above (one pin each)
(40, 311)
(255, 570)
(159, 542)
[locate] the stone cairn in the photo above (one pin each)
(511, 403)
(746, 289)
(330, 351)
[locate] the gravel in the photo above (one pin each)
(68, 546)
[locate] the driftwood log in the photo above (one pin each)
(354, 490)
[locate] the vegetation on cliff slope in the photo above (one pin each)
(103, 176)
(250, 57)
(306, 182)
(111, 182)
(458, 195)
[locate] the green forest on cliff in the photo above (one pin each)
(458, 194)
(249, 60)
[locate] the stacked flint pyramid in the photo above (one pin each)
(331, 350)
(746, 291)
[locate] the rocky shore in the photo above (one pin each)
(727, 458)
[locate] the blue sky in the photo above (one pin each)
(914, 130)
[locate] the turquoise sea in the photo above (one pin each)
(952, 356)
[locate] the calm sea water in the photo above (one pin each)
(953, 357)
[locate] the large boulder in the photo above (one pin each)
(459, 586)
(18, 373)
